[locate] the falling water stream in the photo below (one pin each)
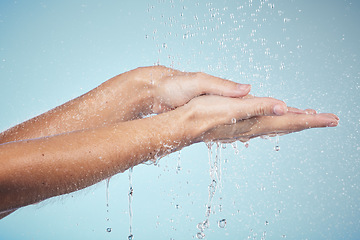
(215, 172)
(108, 229)
(130, 237)
(215, 175)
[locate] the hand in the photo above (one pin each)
(226, 119)
(158, 89)
(267, 123)
(174, 88)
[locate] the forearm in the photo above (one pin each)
(60, 164)
(121, 98)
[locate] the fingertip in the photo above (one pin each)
(243, 89)
(279, 109)
(333, 123)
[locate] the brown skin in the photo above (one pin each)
(99, 133)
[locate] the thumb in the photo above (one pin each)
(207, 84)
(259, 106)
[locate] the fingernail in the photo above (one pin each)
(333, 124)
(244, 87)
(279, 110)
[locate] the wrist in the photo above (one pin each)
(194, 125)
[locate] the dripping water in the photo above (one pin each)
(130, 237)
(215, 175)
(178, 166)
(107, 182)
(235, 147)
(277, 147)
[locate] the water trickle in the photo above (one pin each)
(277, 147)
(235, 147)
(217, 163)
(131, 191)
(222, 223)
(233, 121)
(178, 166)
(215, 175)
(107, 192)
(107, 202)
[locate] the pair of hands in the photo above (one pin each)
(189, 108)
(225, 107)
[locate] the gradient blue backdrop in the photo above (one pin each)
(304, 52)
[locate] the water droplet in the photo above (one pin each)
(222, 223)
(233, 121)
(108, 229)
(130, 237)
(246, 144)
(164, 45)
(266, 222)
(277, 146)
(200, 235)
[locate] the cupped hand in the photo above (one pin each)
(229, 119)
(294, 121)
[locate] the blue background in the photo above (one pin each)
(303, 52)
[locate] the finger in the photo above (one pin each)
(296, 110)
(292, 123)
(253, 107)
(207, 84)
